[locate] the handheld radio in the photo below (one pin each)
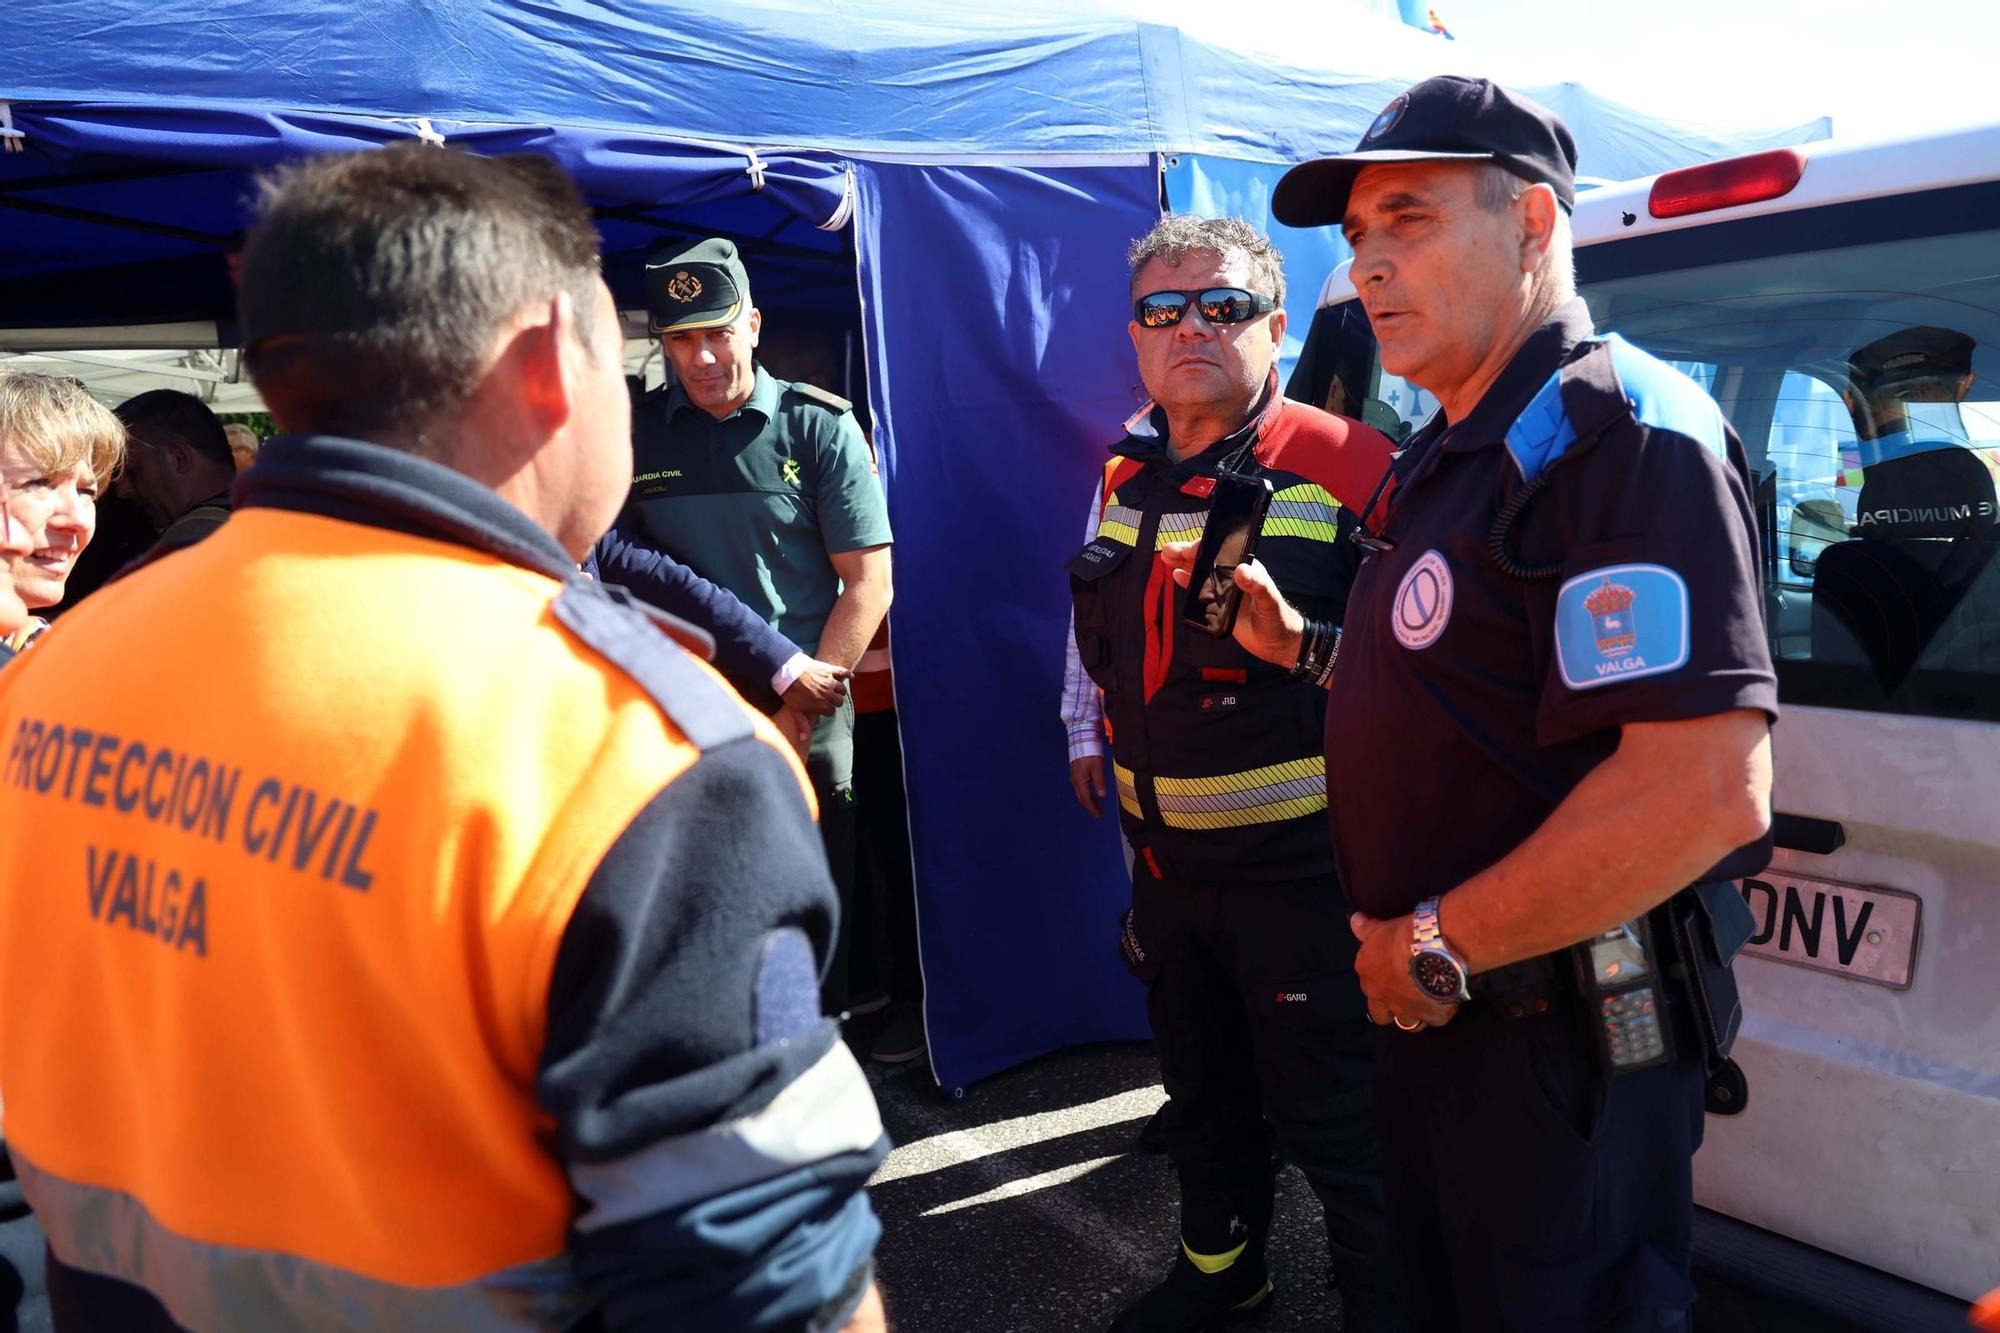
(1618, 976)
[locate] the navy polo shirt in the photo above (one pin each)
(1467, 702)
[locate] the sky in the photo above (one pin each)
(1876, 66)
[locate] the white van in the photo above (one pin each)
(1842, 304)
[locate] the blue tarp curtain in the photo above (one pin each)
(998, 384)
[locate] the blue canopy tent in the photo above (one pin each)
(962, 187)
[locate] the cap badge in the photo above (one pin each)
(684, 287)
(1387, 120)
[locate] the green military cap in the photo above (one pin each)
(701, 287)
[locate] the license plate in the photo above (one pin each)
(1867, 934)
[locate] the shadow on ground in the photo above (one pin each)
(1024, 1209)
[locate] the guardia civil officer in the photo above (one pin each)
(416, 935)
(766, 488)
(1554, 682)
(1237, 923)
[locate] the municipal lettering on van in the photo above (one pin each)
(1867, 934)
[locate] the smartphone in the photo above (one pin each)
(1235, 518)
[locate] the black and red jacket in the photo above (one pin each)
(1217, 754)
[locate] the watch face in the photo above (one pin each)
(1437, 976)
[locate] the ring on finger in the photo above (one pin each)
(1415, 1026)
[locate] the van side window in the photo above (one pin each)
(1875, 465)
(1903, 598)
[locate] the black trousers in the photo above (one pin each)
(1258, 1017)
(830, 769)
(1531, 1192)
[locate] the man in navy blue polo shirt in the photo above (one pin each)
(1556, 694)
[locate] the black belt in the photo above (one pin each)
(1525, 989)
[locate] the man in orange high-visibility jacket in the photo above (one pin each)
(412, 934)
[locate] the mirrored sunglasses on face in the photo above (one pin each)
(1218, 305)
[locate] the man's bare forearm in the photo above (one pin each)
(1672, 801)
(853, 622)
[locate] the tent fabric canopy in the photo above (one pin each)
(865, 77)
(957, 186)
(145, 200)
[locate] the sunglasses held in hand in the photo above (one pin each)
(1218, 305)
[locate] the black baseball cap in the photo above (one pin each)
(701, 287)
(1444, 119)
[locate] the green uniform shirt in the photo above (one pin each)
(758, 500)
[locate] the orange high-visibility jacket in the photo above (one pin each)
(398, 930)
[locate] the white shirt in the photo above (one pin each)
(1082, 708)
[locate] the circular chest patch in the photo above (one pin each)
(1423, 602)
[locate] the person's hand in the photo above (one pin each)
(795, 727)
(1383, 966)
(820, 689)
(1086, 779)
(1266, 624)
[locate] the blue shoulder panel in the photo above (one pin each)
(1661, 398)
(1542, 431)
(1665, 399)
(703, 708)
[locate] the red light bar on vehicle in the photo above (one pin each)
(1739, 180)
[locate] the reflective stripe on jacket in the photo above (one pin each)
(1218, 758)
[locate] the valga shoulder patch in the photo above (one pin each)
(1621, 622)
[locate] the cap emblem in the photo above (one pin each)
(684, 287)
(1387, 120)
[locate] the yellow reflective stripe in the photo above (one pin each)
(1179, 528)
(1299, 527)
(1307, 493)
(1213, 1263)
(1128, 790)
(1306, 511)
(1275, 813)
(1120, 523)
(1290, 771)
(1267, 795)
(1298, 789)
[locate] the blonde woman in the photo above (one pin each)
(58, 448)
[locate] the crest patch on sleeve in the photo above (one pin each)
(1621, 622)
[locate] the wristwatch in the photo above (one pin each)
(1438, 972)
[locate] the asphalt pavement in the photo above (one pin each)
(1024, 1208)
